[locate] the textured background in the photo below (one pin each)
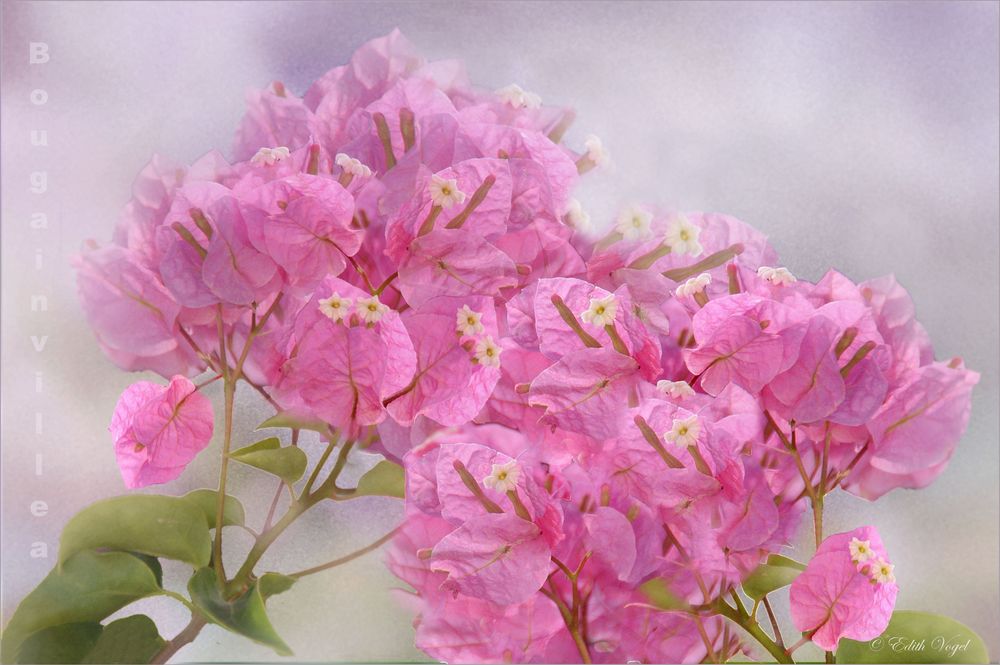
(860, 136)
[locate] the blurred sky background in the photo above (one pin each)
(862, 136)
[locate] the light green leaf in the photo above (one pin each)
(245, 615)
(232, 511)
(290, 421)
(66, 643)
(133, 639)
(271, 584)
(288, 463)
(88, 588)
(660, 595)
(778, 572)
(917, 637)
(384, 479)
(161, 526)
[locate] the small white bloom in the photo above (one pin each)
(683, 432)
(444, 192)
(518, 97)
(468, 321)
(881, 572)
(682, 236)
(601, 311)
(693, 285)
(503, 477)
(371, 309)
(269, 156)
(577, 216)
(352, 166)
(634, 223)
(595, 150)
(675, 389)
(335, 307)
(487, 353)
(776, 276)
(861, 550)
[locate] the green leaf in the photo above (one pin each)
(288, 463)
(384, 479)
(271, 584)
(232, 510)
(162, 526)
(88, 588)
(778, 572)
(66, 643)
(290, 421)
(154, 565)
(245, 615)
(133, 639)
(660, 595)
(917, 637)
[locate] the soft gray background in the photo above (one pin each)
(861, 136)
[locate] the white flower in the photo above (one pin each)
(445, 193)
(634, 223)
(371, 309)
(776, 276)
(694, 285)
(675, 389)
(335, 307)
(519, 98)
(577, 216)
(682, 237)
(601, 311)
(269, 156)
(351, 165)
(468, 321)
(487, 353)
(595, 150)
(861, 550)
(881, 572)
(683, 432)
(503, 477)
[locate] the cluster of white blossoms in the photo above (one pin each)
(518, 97)
(270, 156)
(338, 309)
(693, 285)
(601, 311)
(485, 350)
(445, 192)
(683, 432)
(776, 276)
(675, 389)
(503, 477)
(878, 569)
(352, 166)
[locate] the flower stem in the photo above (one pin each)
(739, 616)
(348, 558)
(183, 638)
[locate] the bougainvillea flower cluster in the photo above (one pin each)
(577, 414)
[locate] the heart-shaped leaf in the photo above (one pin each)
(162, 526)
(232, 510)
(86, 589)
(66, 643)
(291, 421)
(288, 463)
(384, 479)
(133, 639)
(917, 637)
(271, 584)
(245, 615)
(778, 572)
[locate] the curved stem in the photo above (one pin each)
(230, 392)
(739, 616)
(183, 638)
(348, 558)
